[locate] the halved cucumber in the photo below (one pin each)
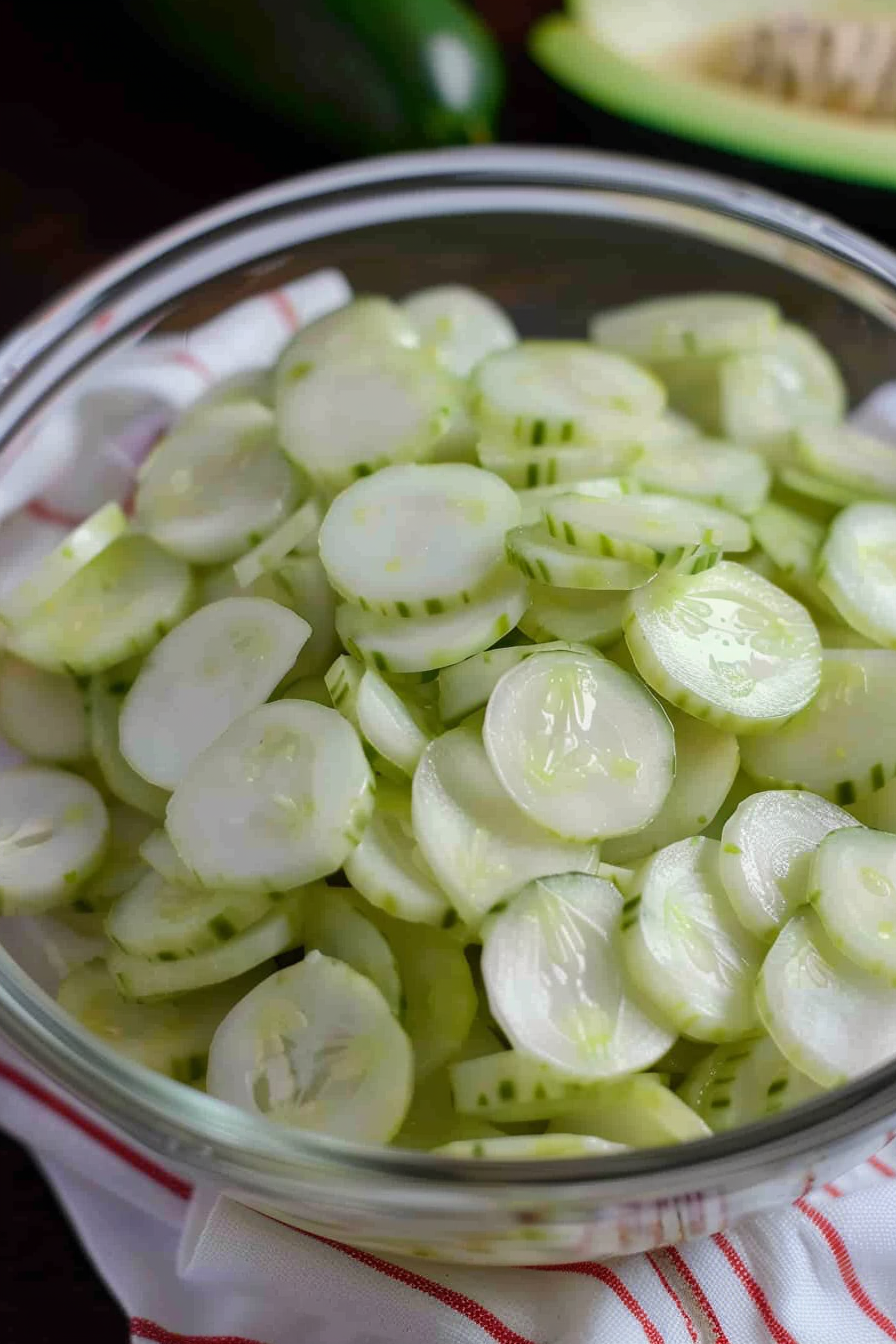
(640, 1112)
(529, 1147)
(105, 697)
(687, 324)
(394, 727)
(857, 568)
(852, 885)
(573, 615)
(709, 470)
(580, 746)
(315, 1047)
(531, 468)
(465, 687)
(54, 830)
(685, 949)
(767, 850)
(42, 713)
(849, 458)
(337, 928)
(556, 986)
(533, 500)
(461, 325)
(298, 533)
(748, 1080)
(725, 645)
(388, 869)
(793, 543)
(542, 558)
(508, 1087)
(54, 571)
(642, 527)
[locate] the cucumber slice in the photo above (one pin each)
(573, 616)
(219, 663)
(417, 540)
(105, 696)
(542, 467)
(684, 948)
(639, 1112)
(388, 869)
(815, 489)
(315, 1047)
(171, 1038)
(298, 533)
(164, 922)
(530, 1147)
(432, 1121)
(857, 569)
(852, 888)
(461, 325)
(580, 746)
(279, 799)
(42, 713)
(790, 385)
(556, 986)
(542, 558)
(843, 744)
(53, 572)
(54, 830)
(142, 980)
(336, 928)
(742, 1082)
(532, 501)
(422, 644)
(466, 687)
(706, 763)
(123, 866)
(725, 645)
(767, 849)
(368, 322)
(848, 458)
(158, 851)
(642, 527)
(559, 391)
(343, 679)
(830, 1019)
(742, 788)
(389, 724)
(709, 470)
(793, 543)
(878, 810)
(481, 847)
(687, 324)
(115, 608)
(301, 584)
(510, 1087)
(306, 688)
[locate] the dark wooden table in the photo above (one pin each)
(107, 140)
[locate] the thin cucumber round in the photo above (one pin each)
(580, 746)
(709, 470)
(540, 467)
(219, 663)
(852, 886)
(305, 688)
(343, 678)
(158, 851)
(335, 927)
(687, 324)
(725, 645)
(123, 865)
(509, 1088)
(278, 800)
(817, 491)
(389, 723)
(298, 533)
(54, 571)
(163, 922)
(640, 1112)
(533, 500)
(850, 459)
(315, 1047)
(793, 543)
(768, 846)
(432, 1121)
(555, 950)
(857, 569)
(529, 1147)
(54, 830)
(684, 948)
(748, 1080)
(105, 697)
(642, 527)
(369, 322)
(548, 561)
(44, 714)
(465, 687)
(573, 615)
(766, 395)
(301, 584)
(461, 325)
(388, 869)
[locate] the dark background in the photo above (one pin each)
(105, 140)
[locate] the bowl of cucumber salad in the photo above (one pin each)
(448, 790)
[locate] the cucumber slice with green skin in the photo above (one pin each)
(417, 540)
(481, 847)
(509, 1087)
(54, 831)
(684, 948)
(742, 1082)
(336, 928)
(389, 724)
(559, 391)
(123, 866)
(857, 462)
(44, 714)
(709, 470)
(706, 763)
(544, 559)
(466, 687)
(725, 645)
(793, 543)
(813, 488)
(306, 688)
(55, 570)
(369, 322)
(538, 468)
(218, 664)
(687, 325)
(857, 569)
(214, 487)
(556, 985)
(461, 325)
(830, 1019)
(878, 810)
(316, 1047)
(388, 869)
(530, 1147)
(640, 1112)
(580, 746)
(843, 744)
(158, 851)
(573, 616)
(791, 385)
(425, 643)
(142, 980)
(853, 890)
(105, 697)
(768, 846)
(298, 533)
(279, 799)
(532, 501)
(115, 608)
(343, 679)
(742, 788)
(171, 1038)
(431, 1120)
(642, 527)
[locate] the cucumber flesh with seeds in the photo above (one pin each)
(530, 1147)
(642, 527)
(44, 714)
(465, 687)
(573, 615)
(849, 458)
(742, 1082)
(709, 470)
(687, 325)
(54, 571)
(105, 696)
(163, 922)
(298, 533)
(461, 325)
(852, 886)
(510, 1087)
(54, 831)
(640, 1112)
(539, 468)
(388, 723)
(336, 928)
(388, 869)
(857, 569)
(545, 560)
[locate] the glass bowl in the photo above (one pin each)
(552, 235)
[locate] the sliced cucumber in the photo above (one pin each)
(305, 688)
(466, 687)
(580, 746)
(548, 561)
(301, 584)
(530, 1147)
(315, 1047)
(115, 608)
(684, 948)
(709, 470)
(790, 385)
(687, 324)
(343, 679)
(461, 325)
(573, 615)
(163, 922)
(725, 645)
(105, 697)
(481, 847)
(158, 851)
(390, 724)
(510, 1087)
(640, 1112)
(556, 986)
(388, 869)
(123, 866)
(857, 569)
(335, 927)
(793, 543)
(843, 744)
(298, 533)
(642, 527)
(54, 830)
(42, 713)
(140, 979)
(706, 763)
(742, 1082)
(849, 458)
(417, 540)
(279, 799)
(878, 810)
(830, 1019)
(767, 849)
(369, 322)
(432, 1120)
(853, 888)
(533, 500)
(394, 644)
(825, 495)
(53, 572)
(219, 663)
(531, 468)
